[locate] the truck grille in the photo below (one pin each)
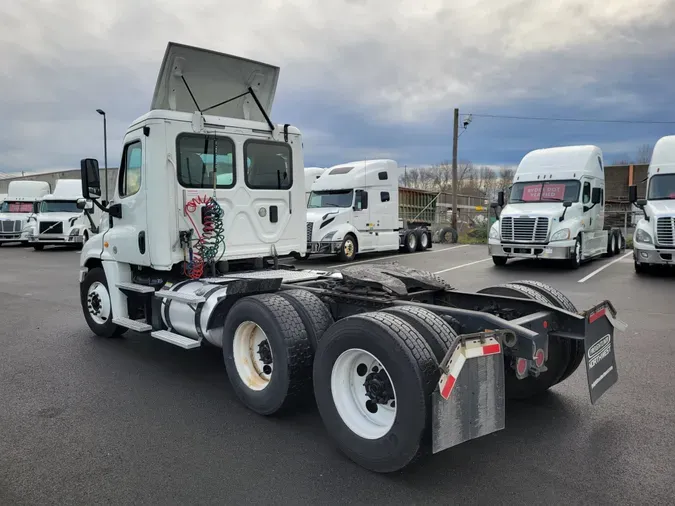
(665, 231)
(310, 226)
(524, 229)
(10, 226)
(51, 227)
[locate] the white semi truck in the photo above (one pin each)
(60, 221)
(20, 206)
(354, 208)
(654, 238)
(555, 210)
(397, 361)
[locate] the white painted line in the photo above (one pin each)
(408, 254)
(604, 267)
(463, 265)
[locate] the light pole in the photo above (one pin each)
(105, 151)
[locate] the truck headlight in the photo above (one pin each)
(494, 232)
(643, 237)
(75, 231)
(561, 235)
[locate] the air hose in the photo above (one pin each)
(209, 240)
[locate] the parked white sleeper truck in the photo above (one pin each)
(354, 208)
(19, 206)
(654, 238)
(61, 220)
(556, 209)
(396, 359)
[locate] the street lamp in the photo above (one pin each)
(105, 151)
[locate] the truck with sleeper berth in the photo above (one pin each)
(398, 362)
(654, 238)
(357, 207)
(555, 210)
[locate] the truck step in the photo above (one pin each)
(188, 298)
(177, 339)
(137, 325)
(133, 287)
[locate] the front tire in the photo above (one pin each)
(575, 259)
(641, 268)
(347, 249)
(38, 247)
(373, 379)
(500, 261)
(96, 304)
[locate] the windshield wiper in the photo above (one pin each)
(516, 200)
(550, 200)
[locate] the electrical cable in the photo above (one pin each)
(209, 240)
(574, 120)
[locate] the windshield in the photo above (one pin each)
(59, 206)
(330, 198)
(549, 191)
(16, 207)
(662, 187)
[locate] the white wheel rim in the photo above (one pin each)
(577, 252)
(350, 396)
(250, 349)
(424, 240)
(411, 240)
(98, 303)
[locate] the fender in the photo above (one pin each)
(340, 231)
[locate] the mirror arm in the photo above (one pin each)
(642, 208)
(94, 228)
(100, 206)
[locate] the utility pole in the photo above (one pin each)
(455, 136)
(105, 152)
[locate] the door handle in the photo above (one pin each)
(141, 242)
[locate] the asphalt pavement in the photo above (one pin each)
(85, 420)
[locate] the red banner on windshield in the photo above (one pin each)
(20, 207)
(535, 192)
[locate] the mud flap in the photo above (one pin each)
(469, 401)
(601, 371)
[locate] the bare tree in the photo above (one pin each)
(644, 154)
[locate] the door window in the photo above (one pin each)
(130, 170)
(361, 200)
(587, 193)
(268, 165)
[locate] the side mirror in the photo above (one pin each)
(632, 194)
(494, 205)
(500, 199)
(85, 204)
(91, 178)
(596, 195)
(641, 202)
(567, 203)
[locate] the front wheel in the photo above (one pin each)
(95, 300)
(575, 259)
(347, 249)
(641, 268)
(38, 247)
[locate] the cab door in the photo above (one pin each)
(127, 234)
(361, 220)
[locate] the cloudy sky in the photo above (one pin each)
(360, 78)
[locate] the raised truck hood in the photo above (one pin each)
(214, 78)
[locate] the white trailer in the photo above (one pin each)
(18, 207)
(556, 209)
(397, 361)
(354, 208)
(62, 219)
(654, 239)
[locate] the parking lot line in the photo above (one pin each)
(409, 254)
(604, 267)
(463, 265)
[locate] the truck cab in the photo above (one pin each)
(353, 208)
(62, 219)
(654, 239)
(19, 208)
(555, 209)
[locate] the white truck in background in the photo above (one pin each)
(61, 220)
(555, 210)
(654, 238)
(19, 208)
(380, 348)
(355, 208)
(311, 175)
